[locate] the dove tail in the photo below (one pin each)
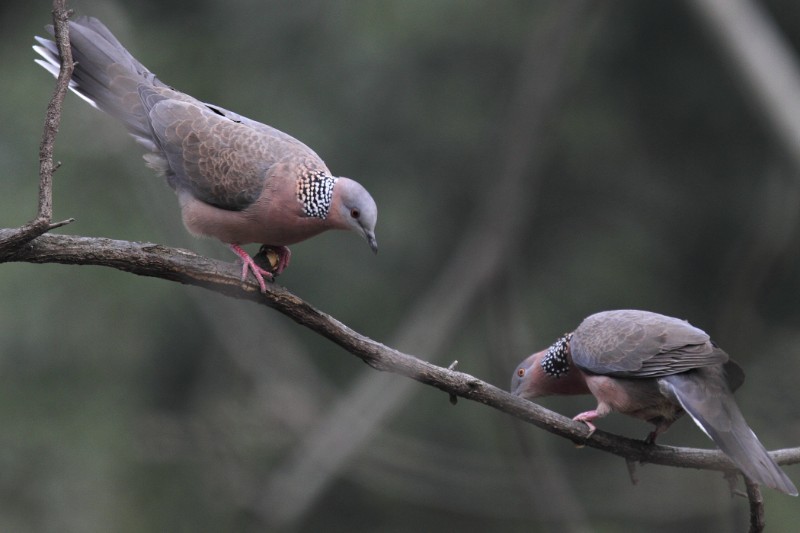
(106, 75)
(705, 395)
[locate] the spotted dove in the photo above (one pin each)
(655, 368)
(236, 179)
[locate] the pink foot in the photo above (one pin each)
(248, 264)
(586, 417)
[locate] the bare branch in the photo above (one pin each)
(53, 118)
(41, 223)
(154, 260)
(756, 506)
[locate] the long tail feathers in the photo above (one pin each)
(50, 62)
(106, 75)
(705, 395)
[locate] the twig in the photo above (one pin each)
(756, 506)
(53, 117)
(453, 397)
(42, 222)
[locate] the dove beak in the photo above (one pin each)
(373, 243)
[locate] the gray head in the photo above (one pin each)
(355, 210)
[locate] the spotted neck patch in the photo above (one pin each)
(555, 362)
(315, 192)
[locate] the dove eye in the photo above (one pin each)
(355, 213)
(521, 372)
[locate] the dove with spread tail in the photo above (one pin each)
(655, 368)
(236, 179)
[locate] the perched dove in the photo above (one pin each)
(236, 179)
(655, 368)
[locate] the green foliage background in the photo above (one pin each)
(133, 404)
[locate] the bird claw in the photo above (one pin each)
(592, 428)
(587, 417)
(258, 273)
(248, 264)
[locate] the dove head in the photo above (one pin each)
(548, 372)
(355, 210)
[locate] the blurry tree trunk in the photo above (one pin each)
(764, 62)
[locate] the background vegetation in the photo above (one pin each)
(133, 404)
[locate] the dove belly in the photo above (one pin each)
(639, 398)
(262, 222)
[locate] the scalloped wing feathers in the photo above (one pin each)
(220, 157)
(632, 343)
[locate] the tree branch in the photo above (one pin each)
(42, 222)
(756, 506)
(154, 260)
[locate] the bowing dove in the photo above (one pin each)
(655, 368)
(236, 179)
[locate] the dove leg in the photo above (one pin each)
(248, 264)
(587, 417)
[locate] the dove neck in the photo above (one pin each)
(556, 374)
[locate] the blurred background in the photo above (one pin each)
(533, 162)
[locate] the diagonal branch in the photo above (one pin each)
(154, 260)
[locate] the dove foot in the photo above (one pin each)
(586, 417)
(248, 264)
